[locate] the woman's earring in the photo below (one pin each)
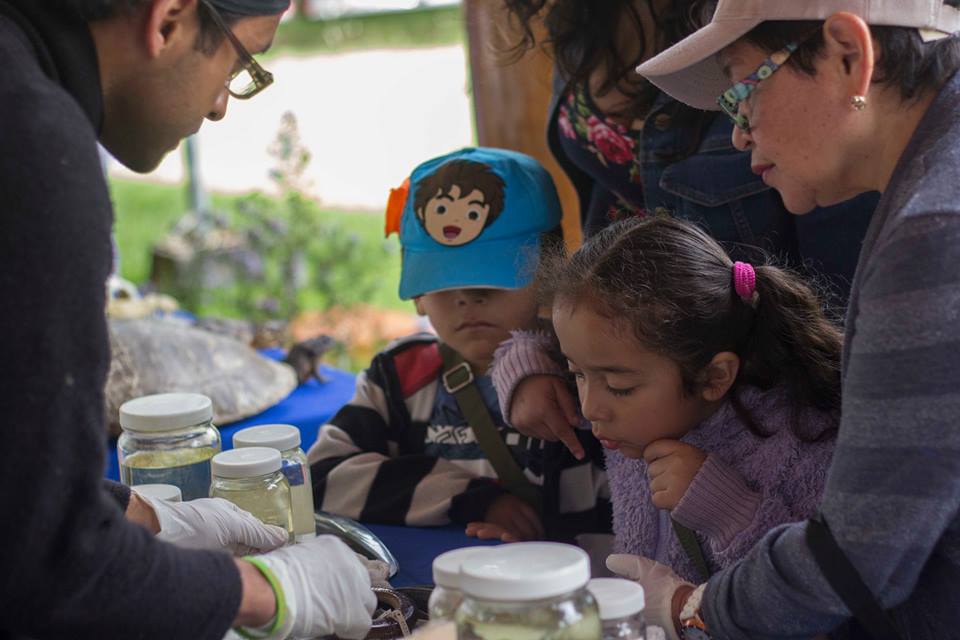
(859, 102)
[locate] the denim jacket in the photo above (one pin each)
(715, 187)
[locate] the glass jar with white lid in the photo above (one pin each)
(621, 605)
(286, 439)
(252, 479)
(168, 438)
(527, 591)
(165, 492)
(447, 595)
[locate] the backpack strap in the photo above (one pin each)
(691, 546)
(847, 583)
(458, 380)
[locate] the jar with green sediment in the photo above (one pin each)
(168, 438)
(252, 479)
(286, 439)
(528, 591)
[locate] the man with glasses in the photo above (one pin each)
(79, 559)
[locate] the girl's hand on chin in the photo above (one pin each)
(671, 467)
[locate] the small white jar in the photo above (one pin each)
(165, 492)
(621, 605)
(168, 438)
(447, 595)
(528, 591)
(286, 439)
(251, 479)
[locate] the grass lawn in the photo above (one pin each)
(428, 27)
(146, 212)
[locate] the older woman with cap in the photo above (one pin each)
(833, 98)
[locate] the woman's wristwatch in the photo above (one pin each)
(692, 626)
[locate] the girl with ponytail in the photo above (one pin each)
(713, 385)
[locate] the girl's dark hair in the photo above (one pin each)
(905, 61)
(581, 36)
(672, 286)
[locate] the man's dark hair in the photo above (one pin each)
(906, 62)
(208, 41)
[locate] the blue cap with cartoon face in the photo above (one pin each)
(473, 218)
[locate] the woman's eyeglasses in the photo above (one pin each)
(730, 100)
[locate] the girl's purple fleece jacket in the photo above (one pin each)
(747, 485)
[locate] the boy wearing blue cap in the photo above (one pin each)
(423, 441)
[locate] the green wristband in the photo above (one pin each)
(280, 618)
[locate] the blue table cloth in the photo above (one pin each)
(416, 547)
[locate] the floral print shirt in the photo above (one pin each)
(605, 150)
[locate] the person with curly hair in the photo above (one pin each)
(632, 150)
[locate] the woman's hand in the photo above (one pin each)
(671, 466)
(664, 591)
(543, 407)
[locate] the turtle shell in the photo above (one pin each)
(155, 355)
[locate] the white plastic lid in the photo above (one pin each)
(525, 571)
(446, 566)
(616, 597)
(276, 436)
(165, 411)
(247, 462)
(168, 492)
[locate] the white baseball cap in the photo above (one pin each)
(690, 72)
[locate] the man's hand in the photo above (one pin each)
(140, 512)
(320, 588)
(210, 523)
(508, 519)
(543, 407)
(671, 465)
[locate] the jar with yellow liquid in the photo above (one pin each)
(251, 478)
(528, 591)
(286, 439)
(168, 438)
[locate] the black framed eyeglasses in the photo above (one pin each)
(250, 79)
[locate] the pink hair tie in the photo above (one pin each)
(744, 280)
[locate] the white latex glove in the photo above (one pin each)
(659, 583)
(323, 589)
(214, 523)
(378, 570)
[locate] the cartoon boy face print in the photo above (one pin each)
(458, 201)
(454, 220)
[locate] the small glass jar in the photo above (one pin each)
(251, 478)
(527, 591)
(166, 492)
(168, 438)
(621, 608)
(286, 439)
(446, 595)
